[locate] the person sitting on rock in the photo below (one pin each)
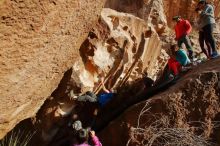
(178, 58)
(181, 55)
(182, 30)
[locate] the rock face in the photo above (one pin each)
(42, 40)
(192, 104)
(152, 11)
(186, 9)
(171, 7)
(119, 48)
(157, 12)
(39, 42)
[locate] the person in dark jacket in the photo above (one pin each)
(182, 30)
(206, 25)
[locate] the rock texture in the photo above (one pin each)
(186, 9)
(171, 7)
(192, 102)
(157, 12)
(119, 48)
(152, 11)
(39, 42)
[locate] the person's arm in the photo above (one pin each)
(188, 27)
(208, 11)
(95, 139)
(103, 87)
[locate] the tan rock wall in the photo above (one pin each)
(171, 7)
(39, 42)
(119, 49)
(186, 9)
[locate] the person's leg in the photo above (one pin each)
(209, 48)
(91, 94)
(179, 43)
(201, 43)
(208, 32)
(188, 45)
(86, 97)
(91, 99)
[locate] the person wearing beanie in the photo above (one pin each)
(182, 30)
(206, 25)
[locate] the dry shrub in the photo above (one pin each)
(161, 133)
(17, 138)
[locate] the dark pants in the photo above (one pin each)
(208, 33)
(89, 96)
(202, 40)
(185, 40)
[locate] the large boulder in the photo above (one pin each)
(118, 49)
(39, 42)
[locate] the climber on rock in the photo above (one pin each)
(182, 30)
(178, 59)
(101, 99)
(88, 96)
(206, 25)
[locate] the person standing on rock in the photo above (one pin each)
(207, 23)
(182, 30)
(202, 40)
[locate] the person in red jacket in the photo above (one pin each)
(182, 30)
